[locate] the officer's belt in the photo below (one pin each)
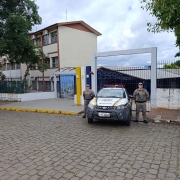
(140, 101)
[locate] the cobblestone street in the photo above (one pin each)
(36, 146)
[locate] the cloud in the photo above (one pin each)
(123, 25)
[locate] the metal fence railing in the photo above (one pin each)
(168, 74)
(128, 77)
(13, 85)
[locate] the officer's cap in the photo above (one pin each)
(140, 83)
(87, 85)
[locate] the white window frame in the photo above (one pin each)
(56, 63)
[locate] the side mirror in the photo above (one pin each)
(130, 97)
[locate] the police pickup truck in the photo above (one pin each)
(112, 103)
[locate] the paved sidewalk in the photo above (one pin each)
(156, 115)
(164, 115)
(159, 115)
(47, 104)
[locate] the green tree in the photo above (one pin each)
(16, 20)
(24, 8)
(167, 14)
(171, 66)
(177, 63)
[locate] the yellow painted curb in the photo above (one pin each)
(8, 109)
(38, 110)
(57, 112)
(50, 111)
(31, 110)
(3, 108)
(68, 113)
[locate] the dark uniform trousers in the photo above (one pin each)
(143, 107)
(86, 102)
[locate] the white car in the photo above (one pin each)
(110, 104)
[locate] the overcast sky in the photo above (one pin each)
(122, 25)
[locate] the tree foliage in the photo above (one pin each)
(168, 16)
(2, 76)
(171, 66)
(24, 8)
(16, 20)
(175, 65)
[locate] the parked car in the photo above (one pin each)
(112, 103)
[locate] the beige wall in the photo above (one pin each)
(23, 68)
(76, 47)
(50, 48)
(36, 73)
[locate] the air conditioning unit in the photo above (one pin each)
(33, 37)
(45, 32)
(50, 78)
(5, 60)
(2, 61)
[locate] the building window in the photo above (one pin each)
(40, 85)
(38, 41)
(46, 39)
(54, 37)
(34, 85)
(48, 85)
(4, 67)
(33, 67)
(17, 66)
(13, 66)
(47, 62)
(8, 66)
(55, 62)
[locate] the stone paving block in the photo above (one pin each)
(58, 175)
(68, 175)
(14, 177)
(81, 174)
(25, 177)
(2, 173)
(46, 177)
(25, 171)
(5, 177)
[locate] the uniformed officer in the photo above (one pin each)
(141, 95)
(88, 95)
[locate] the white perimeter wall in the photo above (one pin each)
(76, 47)
(27, 97)
(168, 98)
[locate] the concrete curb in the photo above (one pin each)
(164, 121)
(39, 111)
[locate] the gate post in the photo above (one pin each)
(153, 76)
(94, 70)
(55, 85)
(78, 86)
(83, 82)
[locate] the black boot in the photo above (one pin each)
(84, 116)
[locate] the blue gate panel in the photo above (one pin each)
(88, 75)
(67, 86)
